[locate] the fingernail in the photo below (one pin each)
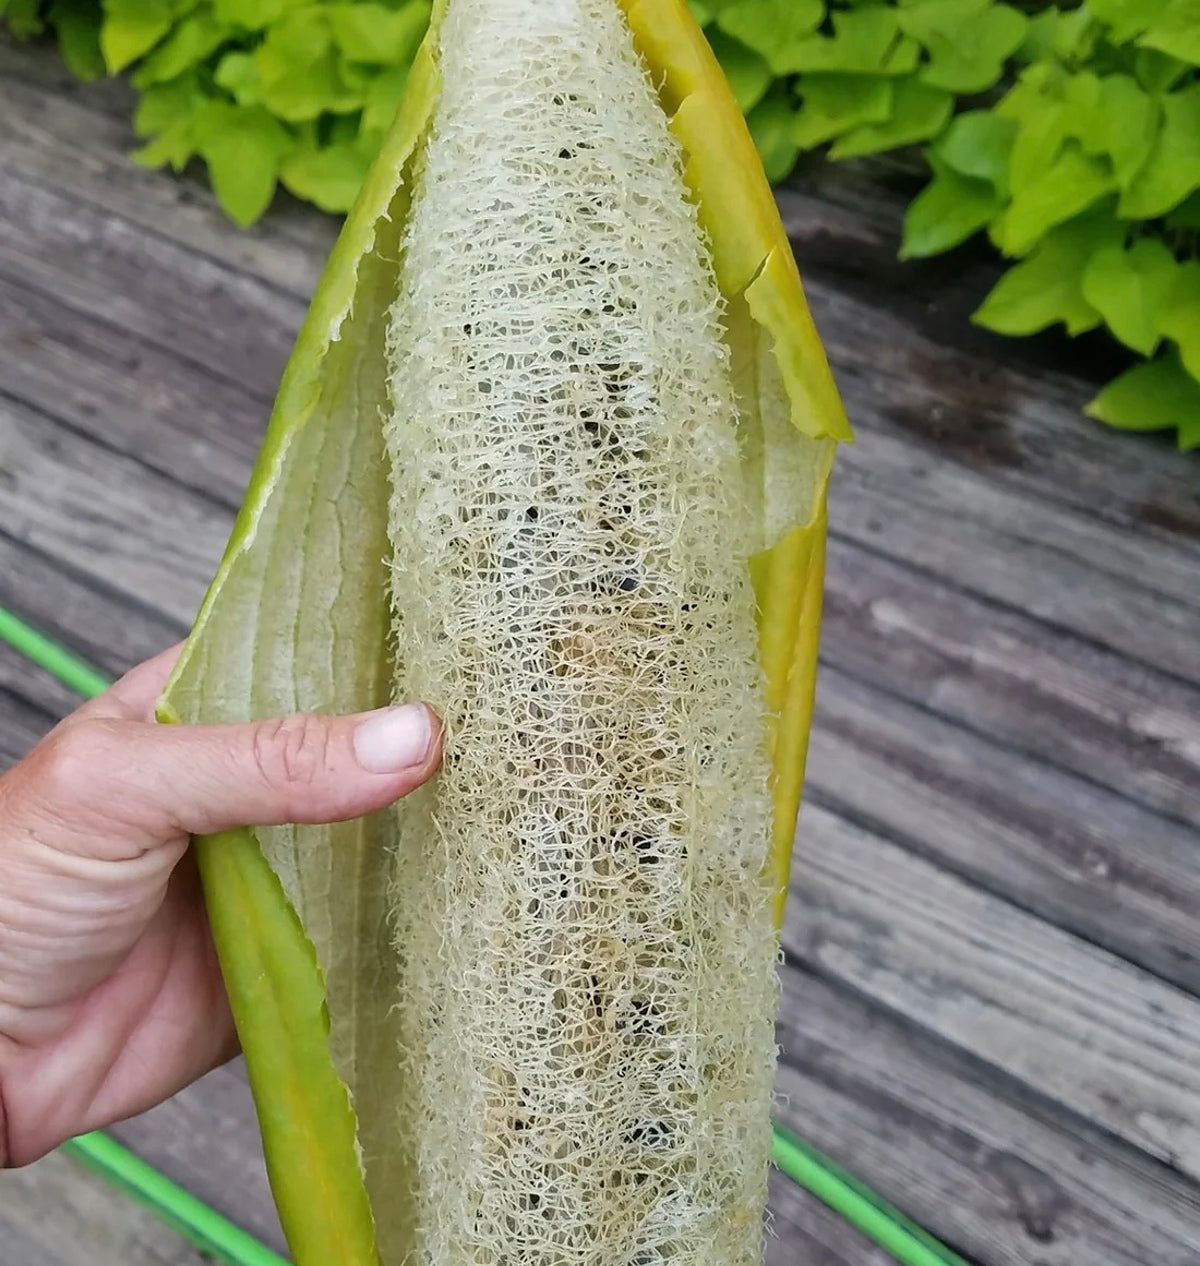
(393, 739)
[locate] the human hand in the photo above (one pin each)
(111, 998)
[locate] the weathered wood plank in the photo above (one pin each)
(235, 326)
(107, 515)
(21, 679)
(21, 725)
(994, 1173)
(110, 385)
(77, 142)
(1074, 1023)
(1033, 574)
(1018, 519)
(1002, 674)
(915, 368)
(56, 1213)
(84, 613)
(1094, 863)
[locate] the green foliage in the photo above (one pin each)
(1066, 130)
(264, 92)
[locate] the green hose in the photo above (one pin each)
(208, 1230)
(193, 1219)
(59, 662)
(858, 1204)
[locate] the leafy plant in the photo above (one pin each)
(266, 92)
(1068, 132)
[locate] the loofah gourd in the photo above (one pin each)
(582, 902)
(551, 452)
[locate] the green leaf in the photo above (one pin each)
(77, 23)
(979, 144)
(131, 29)
(1123, 124)
(243, 147)
(1176, 31)
(250, 15)
(934, 19)
(772, 28)
(1035, 103)
(189, 43)
(1180, 321)
(377, 35)
(1070, 36)
(864, 42)
(298, 68)
(833, 104)
(237, 73)
(770, 124)
(947, 211)
(172, 147)
(702, 11)
(918, 113)
(1172, 170)
(164, 105)
(1047, 286)
(967, 41)
(1130, 289)
(329, 177)
(1153, 397)
(1072, 184)
(383, 99)
(748, 73)
(1157, 72)
(1125, 19)
(24, 17)
(168, 113)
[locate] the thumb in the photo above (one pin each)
(158, 781)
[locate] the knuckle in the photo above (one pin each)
(68, 761)
(293, 750)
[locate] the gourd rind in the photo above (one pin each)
(276, 982)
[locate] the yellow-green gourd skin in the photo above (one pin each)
(413, 1123)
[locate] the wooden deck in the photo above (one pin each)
(992, 975)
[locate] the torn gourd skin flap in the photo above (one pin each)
(311, 933)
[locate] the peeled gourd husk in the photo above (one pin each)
(551, 453)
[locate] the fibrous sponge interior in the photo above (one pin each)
(580, 904)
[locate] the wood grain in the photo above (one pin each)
(105, 514)
(1077, 1025)
(76, 142)
(150, 405)
(803, 1232)
(56, 1213)
(1058, 699)
(1055, 844)
(997, 1173)
(81, 611)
